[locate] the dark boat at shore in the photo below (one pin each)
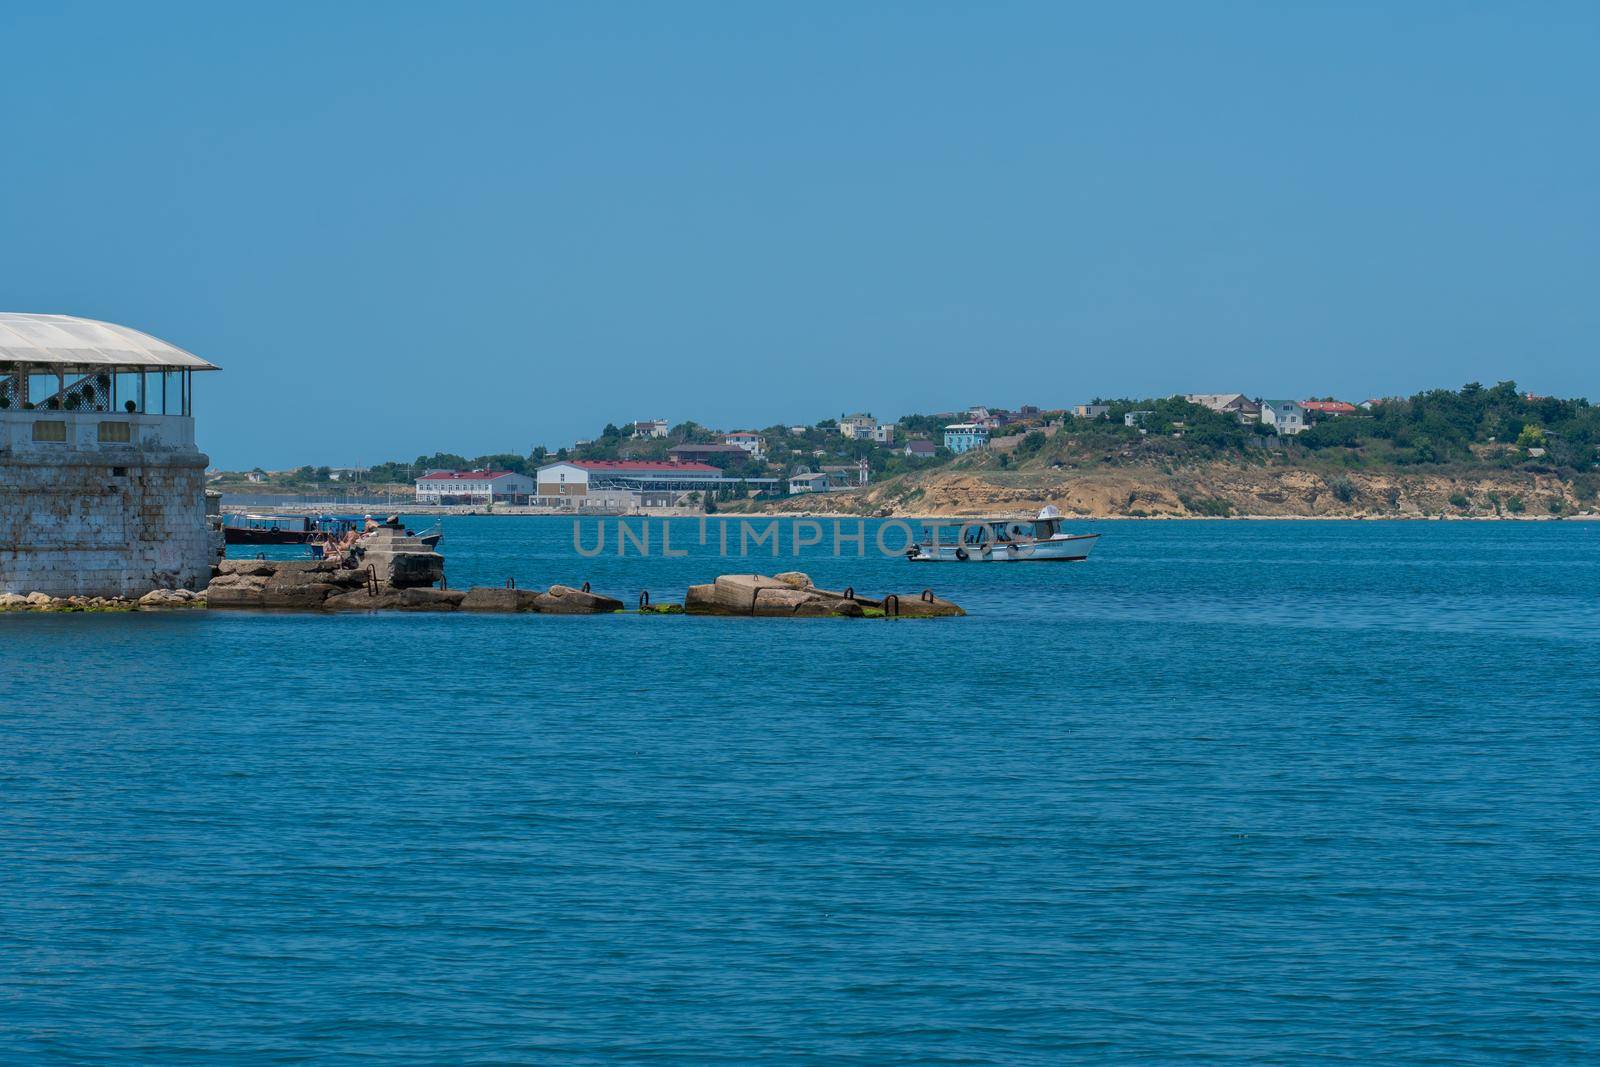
(267, 529)
(251, 529)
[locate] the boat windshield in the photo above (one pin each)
(269, 522)
(1017, 531)
(977, 532)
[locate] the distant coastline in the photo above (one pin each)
(769, 513)
(1477, 452)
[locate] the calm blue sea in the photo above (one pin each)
(1231, 791)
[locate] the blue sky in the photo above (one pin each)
(402, 228)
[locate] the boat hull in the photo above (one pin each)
(242, 535)
(1070, 549)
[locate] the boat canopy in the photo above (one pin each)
(979, 531)
(268, 522)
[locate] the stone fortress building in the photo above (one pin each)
(102, 490)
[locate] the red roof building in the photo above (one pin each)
(644, 465)
(1331, 408)
(463, 476)
(455, 487)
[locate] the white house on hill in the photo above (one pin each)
(748, 440)
(1287, 417)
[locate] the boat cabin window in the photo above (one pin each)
(1044, 528)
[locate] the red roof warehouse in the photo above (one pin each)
(645, 465)
(473, 487)
(463, 476)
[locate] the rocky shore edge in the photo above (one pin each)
(155, 600)
(326, 586)
(396, 574)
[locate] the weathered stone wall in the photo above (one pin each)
(108, 522)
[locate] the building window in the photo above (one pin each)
(50, 431)
(114, 432)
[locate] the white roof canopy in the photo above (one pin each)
(68, 340)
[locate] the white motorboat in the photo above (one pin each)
(1002, 541)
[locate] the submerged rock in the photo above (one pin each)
(565, 600)
(557, 600)
(416, 599)
(921, 606)
(788, 595)
(489, 598)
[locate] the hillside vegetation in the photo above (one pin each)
(1471, 452)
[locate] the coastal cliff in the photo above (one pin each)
(1212, 489)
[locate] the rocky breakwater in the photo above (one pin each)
(557, 600)
(155, 600)
(307, 585)
(393, 573)
(792, 595)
